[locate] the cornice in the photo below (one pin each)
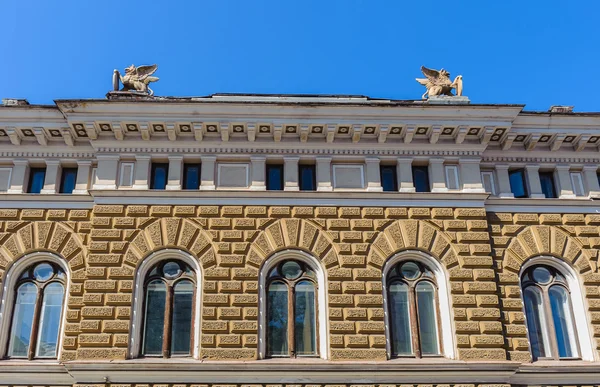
(540, 159)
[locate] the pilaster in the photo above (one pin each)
(52, 176)
(533, 177)
(17, 179)
(503, 181)
(324, 174)
(258, 164)
(142, 172)
(106, 172)
(405, 177)
(373, 174)
(175, 172)
(436, 175)
(83, 177)
(590, 176)
(207, 175)
(470, 175)
(290, 173)
(564, 182)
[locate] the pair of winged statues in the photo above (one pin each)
(138, 78)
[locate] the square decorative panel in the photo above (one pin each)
(520, 138)
(344, 130)
(81, 133)
(495, 137)
(447, 131)
(370, 130)
(290, 129)
(105, 127)
(545, 138)
(317, 129)
(211, 129)
(499, 131)
(27, 132)
(54, 133)
(473, 132)
(159, 128)
(593, 139)
(2, 133)
(264, 129)
(132, 128)
(422, 131)
(569, 138)
(185, 128)
(238, 129)
(396, 130)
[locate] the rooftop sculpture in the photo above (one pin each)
(136, 78)
(438, 83)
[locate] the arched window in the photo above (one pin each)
(413, 310)
(169, 309)
(549, 313)
(35, 308)
(292, 310)
(292, 301)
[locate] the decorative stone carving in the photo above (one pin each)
(136, 78)
(438, 83)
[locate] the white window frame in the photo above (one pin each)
(445, 304)
(8, 296)
(447, 168)
(322, 314)
(335, 167)
(492, 181)
(123, 165)
(577, 185)
(245, 165)
(9, 169)
(578, 302)
(137, 317)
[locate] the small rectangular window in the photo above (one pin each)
(5, 174)
(547, 182)
(452, 177)
(36, 180)
(191, 176)
(307, 176)
(389, 178)
(489, 183)
(421, 178)
(577, 182)
(275, 177)
(518, 186)
(159, 175)
(126, 175)
(67, 180)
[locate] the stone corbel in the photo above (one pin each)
(145, 131)
(532, 141)
(461, 134)
(330, 132)
(581, 142)
(508, 141)
(197, 128)
(277, 132)
(304, 132)
(171, 132)
(251, 132)
(487, 133)
(356, 132)
(117, 130)
(40, 136)
(13, 135)
(409, 133)
(434, 136)
(383, 132)
(91, 131)
(68, 137)
(557, 142)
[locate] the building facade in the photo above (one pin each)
(297, 240)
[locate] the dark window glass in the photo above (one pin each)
(274, 177)
(547, 182)
(421, 178)
(517, 183)
(308, 180)
(191, 176)
(36, 180)
(67, 180)
(389, 179)
(160, 174)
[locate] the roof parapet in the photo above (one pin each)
(14, 102)
(561, 109)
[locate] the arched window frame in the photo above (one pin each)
(583, 333)
(137, 319)
(446, 327)
(322, 321)
(10, 281)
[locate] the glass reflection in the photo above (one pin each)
(181, 327)
(400, 319)
(277, 324)
(305, 319)
(156, 295)
(563, 321)
(22, 320)
(47, 341)
(427, 318)
(536, 322)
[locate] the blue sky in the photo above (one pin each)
(537, 53)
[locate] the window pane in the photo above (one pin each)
(307, 176)
(421, 178)
(181, 327)
(67, 180)
(536, 322)
(156, 295)
(47, 342)
(389, 178)
(563, 321)
(517, 183)
(274, 177)
(305, 323)
(277, 319)
(547, 182)
(400, 319)
(22, 320)
(191, 176)
(160, 173)
(427, 318)
(36, 180)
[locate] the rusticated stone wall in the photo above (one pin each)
(104, 246)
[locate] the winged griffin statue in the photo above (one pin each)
(439, 83)
(136, 78)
